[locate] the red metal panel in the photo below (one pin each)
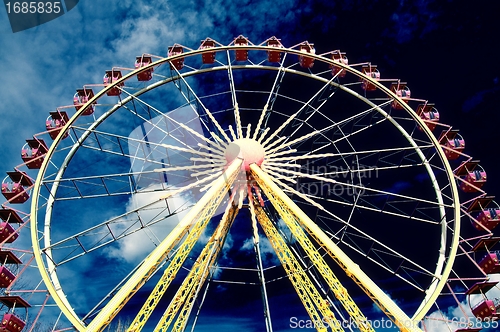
(489, 218)
(457, 145)
(111, 77)
(179, 62)
(489, 264)
(142, 61)
(485, 309)
(14, 193)
(305, 61)
(339, 57)
(6, 277)
(55, 122)
(12, 323)
(274, 56)
(208, 57)
(7, 230)
(475, 178)
(371, 71)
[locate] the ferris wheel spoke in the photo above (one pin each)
(359, 187)
(96, 186)
(260, 267)
(321, 131)
(294, 115)
(329, 142)
(390, 251)
(150, 151)
(371, 207)
(101, 236)
(165, 132)
(146, 145)
(108, 232)
(234, 99)
(191, 97)
(273, 93)
(315, 109)
(171, 119)
(120, 184)
(358, 153)
(156, 145)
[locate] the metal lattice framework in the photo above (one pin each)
(148, 187)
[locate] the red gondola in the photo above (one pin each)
(370, 71)
(7, 233)
(485, 213)
(339, 57)
(55, 122)
(207, 57)
(179, 62)
(489, 264)
(143, 61)
(473, 176)
(241, 55)
(274, 56)
(32, 153)
(485, 308)
(81, 97)
(305, 61)
(10, 321)
(6, 277)
(454, 143)
(13, 189)
(429, 114)
(402, 91)
(111, 77)
(490, 261)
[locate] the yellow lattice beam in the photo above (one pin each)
(154, 259)
(187, 292)
(308, 293)
(296, 219)
(201, 220)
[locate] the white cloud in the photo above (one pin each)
(135, 247)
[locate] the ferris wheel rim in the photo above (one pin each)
(227, 48)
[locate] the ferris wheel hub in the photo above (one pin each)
(251, 151)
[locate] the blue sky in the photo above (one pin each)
(440, 47)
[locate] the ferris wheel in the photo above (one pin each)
(266, 185)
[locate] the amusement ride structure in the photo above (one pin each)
(209, 181)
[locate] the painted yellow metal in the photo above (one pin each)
(201, 272)
(151, 263)
(335, 285)
(283, 203)
(197, 274)
(171, 271)
(308, 293)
